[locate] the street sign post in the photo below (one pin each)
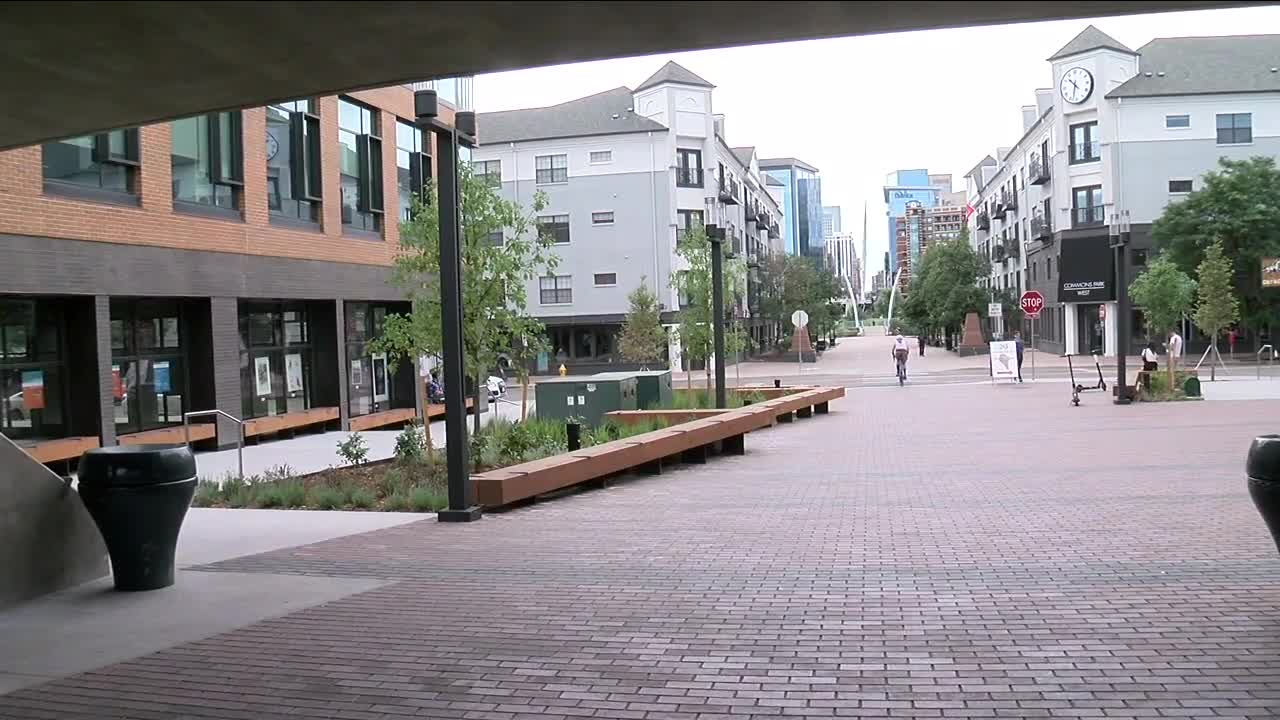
(994, 310)
(799, 319)
(1032, 302)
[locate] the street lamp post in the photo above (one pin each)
(1119, 232)
(448, 139)
(716, 236)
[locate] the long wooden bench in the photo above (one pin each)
(395, 416)
(436, 410)
(289, 421)
(68, 448)
(169, 435)
(803, 403)
(670, 417)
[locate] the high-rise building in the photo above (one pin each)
(802, 196)
(910, 188)
(918, 228)
(842, 259)
(1118, 131)
(831, 221)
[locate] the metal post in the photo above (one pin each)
(1033, 348)
(460, 508)
(716, 236)
(1119, 240)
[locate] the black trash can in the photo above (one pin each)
(138, 496)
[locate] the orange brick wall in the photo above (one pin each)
(26, 210)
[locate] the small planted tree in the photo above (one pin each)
(1217, 307)
(643, 339)
(695, 329)
(1165, 293)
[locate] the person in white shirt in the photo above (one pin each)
(1149, 358)
(1175, 350)
(901, 351)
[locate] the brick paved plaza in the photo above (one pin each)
(927, 552)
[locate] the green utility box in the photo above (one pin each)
(586, 398)
(653, 388)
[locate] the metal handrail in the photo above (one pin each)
(186, 431)
(1270, 360)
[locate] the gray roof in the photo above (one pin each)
(674, 72)
(744, 154)
(1203, 65)
(771, 180)
(985, 161)
(606, 113)
(785, 162)
(1091, 38)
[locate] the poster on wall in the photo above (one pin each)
(293, 372)
(262, 375)
(357, 373)
(160, 376)
(33, 390)
(117, 385)
(380, 393)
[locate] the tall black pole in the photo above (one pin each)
(1119, 241)
(716, 236)
(460, 508)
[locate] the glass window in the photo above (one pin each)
(360, 166)
(602, 218)
(369, 385)
(1235, 128)
(688, 167)
(206, 160)
(1180, 187)
(556, 227)
(555, 289)
(293, 160)
(413, 165)
(108, 161)
(489, 171)
(148, 365)
(1087, 208)
(605, 279)
(1177, 121)
(32, 390)
(1084, 143)
(1139, 258)
(275, 359)
(551, 169)
(601, 156)
(495, 238)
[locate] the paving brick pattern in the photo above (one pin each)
(939, 552)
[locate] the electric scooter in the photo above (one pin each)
(1077, 388)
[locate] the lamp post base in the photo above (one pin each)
(466, 515)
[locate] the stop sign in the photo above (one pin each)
(1031, 303)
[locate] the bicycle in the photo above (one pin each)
(902, 367)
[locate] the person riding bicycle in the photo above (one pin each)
(901, 351)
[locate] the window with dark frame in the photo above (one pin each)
(148, 364)
(360, 165)
(551, 169)
(605, 279)
(208, 160)
(33, 396)
(555, 289)
(1180, 187)
(1084, 143)
(294, 184)
(413, 165)
(556, 227)
(1086, 206)
(1173, 122)
(107, 161)
(1139, 258)
(687, 221)
(495, 239)
(489, 172)
(599, 157)
(1235, 128)
(275, 358)
(689, 167)
(602, 218)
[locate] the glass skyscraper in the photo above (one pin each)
(802, 198)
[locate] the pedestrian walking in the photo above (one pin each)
(1232, 334)
(1174, 347)
(1017, 339)
(920, 339)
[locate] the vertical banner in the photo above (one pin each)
(380, 392)
(262, 376)
(293, 372)
(33, 390)
(160, 376)
(117, 385)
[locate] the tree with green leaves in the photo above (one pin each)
(880, 306)
(1217, 307)
(947, 276)
(494, 277)
(1164, 293)
(1238, 205)
(642, 339)
(693, 283)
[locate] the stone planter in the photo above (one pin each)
(1263, 469)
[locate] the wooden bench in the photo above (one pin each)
(169, 435)
(804, 403)
(289, 421)
(395, 416)
(436, 410)
(68, 448)
(671, 417)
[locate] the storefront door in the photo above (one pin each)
(1089, 328)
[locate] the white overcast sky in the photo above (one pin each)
(860, 107)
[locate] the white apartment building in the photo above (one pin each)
(626, 172)
(841, 250)
(1118, 131)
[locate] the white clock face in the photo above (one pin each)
(1076, 85)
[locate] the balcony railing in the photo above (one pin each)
(984, 221)
(1009, 200)
(728, 190)
(1088, 216)
(1000, 211)
(1041, 228)
(1086, 152)
(689, 177)
(1038, 170)
(775, 232)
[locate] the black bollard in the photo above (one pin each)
(1263, 469)
(573, 435)
(777, 383)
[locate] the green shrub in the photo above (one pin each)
(279, 474)
(293, 494)
(268, 496)
(208, 493)
(424, 499)
(241, 492)
(411, 444)
(396, 502)
(354, 450)
(391, 482)
(321, 497)
(362, 498)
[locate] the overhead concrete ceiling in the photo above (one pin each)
(68, 68)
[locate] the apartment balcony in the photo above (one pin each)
(1009, 200)
(775, 232)
(1088, 216)
(689, 177)
(1000, 211)
(984, 220)
(729, 189)
(1038, 170)
(1041, 228)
